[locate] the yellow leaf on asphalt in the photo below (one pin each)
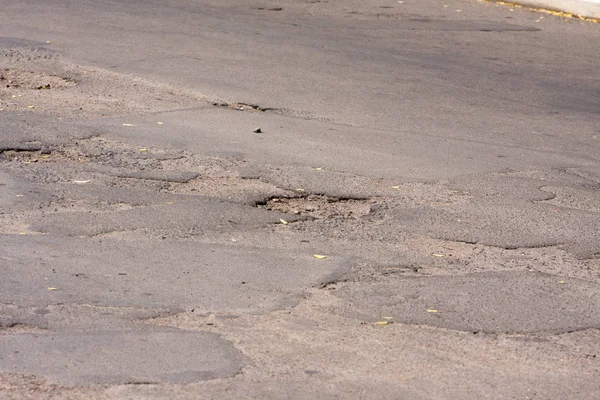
(299, 190)
(395, 187)
(561, 282)
(318, 169)
(169, 202)
(46, 156)
(143, 150)
(438, 255)
(52, 288)
(127, 124)
(382, 322)
(82, 182)
(160, 123)
(283, 221)
(388, 318)
(432, 311)
(319, 257)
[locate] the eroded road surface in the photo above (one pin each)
(298, 199)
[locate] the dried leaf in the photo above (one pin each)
(82, 182)
(561, 282)
(52, 288)
(319, 257)
(283, 221)
(395, 187)
(299, 190)
(432, 311)
(160, 123)
(318, 169)
(382, 322)
(438, 255)
(127, 124)
(143, 150)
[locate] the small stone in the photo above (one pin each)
(257, 130)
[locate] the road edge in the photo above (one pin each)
(581, 8)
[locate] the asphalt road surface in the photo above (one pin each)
(354, 199)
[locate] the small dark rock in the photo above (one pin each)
(257, 130)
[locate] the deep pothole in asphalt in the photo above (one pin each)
(320, 206)
(118, 161)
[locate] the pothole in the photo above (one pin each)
(243, 106)
(17, 79)
(320, 207)
(34, 153)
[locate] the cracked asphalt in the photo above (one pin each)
(417, 217)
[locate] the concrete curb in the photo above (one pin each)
(584, 8)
